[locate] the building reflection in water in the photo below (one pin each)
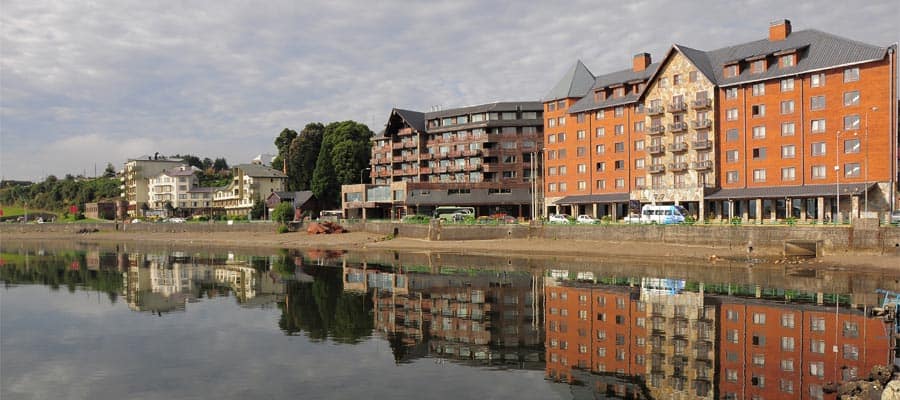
(666, 339)
(477, 317)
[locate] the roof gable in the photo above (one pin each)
(575, 83)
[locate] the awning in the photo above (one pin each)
(594, 198)
(781, 192)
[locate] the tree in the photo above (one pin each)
(302, 155)
(191, 160)
(220, 165)
(344, 152)
(283, 213)
(259, 210)
(110, 171)
(207, 163)
(283, 143)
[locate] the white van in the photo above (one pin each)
(651, 214)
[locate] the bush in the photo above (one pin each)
(416, 219)
(606, 219)
(736, 221)
(791, 221)
(283, 213)
(689, 220)
(282, 228)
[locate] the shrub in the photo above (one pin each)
(283, 212)
(736, 221)
(689, 220)
(282, 228)
(606, 219)
(791, 221)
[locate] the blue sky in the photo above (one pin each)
(85, 83)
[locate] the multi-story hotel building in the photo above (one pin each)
(136, 178)
(180, 188)
(250, 183)
(478, 156)
(800, 123)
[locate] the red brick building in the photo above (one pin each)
(796, 124)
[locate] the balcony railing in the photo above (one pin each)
(702, 165)
(410, 144)
(678, 146)
(678, 167)
(655, 110)
(702, 144)
(700, 104)
(676, 107)
(702, 124)
(656, 149)
(657, 129)
(678, 126)
(397, 145)
(656, 168)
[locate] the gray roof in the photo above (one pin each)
(206, 189)
(300, 197)
(188, 171)
(260, 171)
(575, 83)
(817, 50)
(789, 191)
(489, 107)
(414, 119)
(587, 103)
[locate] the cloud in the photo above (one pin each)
(119, 79)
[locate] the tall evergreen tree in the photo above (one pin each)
(302, 156)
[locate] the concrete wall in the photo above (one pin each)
(141, 227)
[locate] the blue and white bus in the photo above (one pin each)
(453, 213)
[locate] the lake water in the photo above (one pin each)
(87, 321)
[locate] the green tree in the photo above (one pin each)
(345, 151)
(110, 171)
(302, 155)
(220, 165)
(283, 144)
(259, 210)
(283, 212)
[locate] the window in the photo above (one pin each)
(788, 151)
(758, 66)
(731, 177)
(817, 368)
(788, 60)
(580, 151)
(817, 80)
(818, 149)
(600, 114)
(817, 324)
(561, 137)
(759, 175)
(601, 131)
(758, 381)
(563, 187)
(692, 76)
(639, 126)
(551, 171)
(640, 182)
(851, 122)
(787, 129)
(787, 386)
(620, 147)
(731, 156)
(758, 110)
(731, 114)
(759, 132)
(817, 126)
(731, 70)
(639, 163)
(601, 184)
(818, 172)
(580, 118)
(787, 85)
(759, 153)
(620, 183)
(562, 169)
(676, 79)
(758, 89)
(787, 320)
(663, 82)
(731, 135)
(788, 174)
(601, 149)
(817, 102)
(620, 129)
(787, 343)
(851, 170)
(561, 121)
(787, 107)
(851, 98)
(851, 75)
(619, 111)
(731, 93)
(620, 164)
(759, 360)
(601, 166)
(582, 168)
(759, 318)
(551, 122)
(638, 145)
(851, 352)
(732, 315)
(731, 375)
(851, 146)
(787, 365)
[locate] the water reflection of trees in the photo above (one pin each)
(322, 309)
(56, 270)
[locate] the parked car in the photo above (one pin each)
(136, 221)
(586, 219)
(632, 219)
(895, 217)
(177, 220)
(559, 219)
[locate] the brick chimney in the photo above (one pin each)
(779, 30)
(641, 61)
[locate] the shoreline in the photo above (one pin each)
(529, 247)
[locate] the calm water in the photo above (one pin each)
(112, 322)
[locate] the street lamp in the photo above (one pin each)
(361, 173)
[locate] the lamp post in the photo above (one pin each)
(361, 173)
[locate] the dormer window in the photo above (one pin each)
(758, 66)
(599, 96)
(788, 60)
(731, 70)
(619, 91)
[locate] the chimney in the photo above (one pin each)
(779, 30)
(641, 61)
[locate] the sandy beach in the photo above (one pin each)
(504, 247)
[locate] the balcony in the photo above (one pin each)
(678, 167)
(410, 144)
(702, 165)
(678, 127)
(678, 146)
(702, 124)
(424, 170)
(405, 131)
(397, 145)
(700, 104)
(656, 149)
(426, 156)
(398, 158)
(677, 107)
(657, 129)
(655, 110)
(702, 144)
(656, 168)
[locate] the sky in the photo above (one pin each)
(86, 83)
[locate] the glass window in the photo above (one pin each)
(731, 156)
(851, 170)
(787, 129)
(851, 146)
(759, 175)
(787, 106)
(851, 98)
(731, 135)
(851, 74)
(759, 89)
(787, 85)
(818, 149)
(817, 125)
(731, 176)
(851, 122)
(817, 80)
(788, 151)
(788, 174)
(731, 93)
(818, 172)
(817, 102)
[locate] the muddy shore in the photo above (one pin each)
(502, 247)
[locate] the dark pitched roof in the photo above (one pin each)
(489, 107)
(575, 83)
(414, 119)
(300, 197)
(587, 103)
(260, 171)
(789, 191)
